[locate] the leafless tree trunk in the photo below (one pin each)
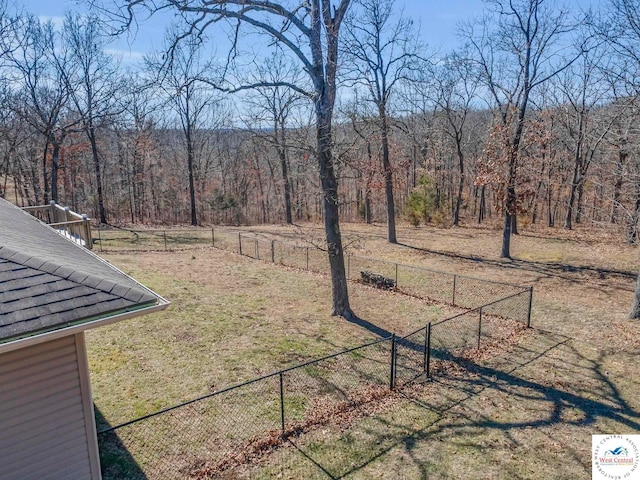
(42, 63)
(317, 23)
(185, 81)
(381, 53)
(517, 48)
(454, 92)
(621, 31)
(583, 90)
(279, 103)
(92, 85)
(635, 307)
(619, 169)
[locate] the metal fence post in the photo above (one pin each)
(396, 287)
(479, 328)
(273, 252)
(427, 351)
(282, 403)
(307, 258)
(257, 253)
(164, 235)
(239, 243)
(213, 238)
(454, 290)
(392, 370)
(530, 303)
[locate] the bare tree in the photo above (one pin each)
(135, 134)
(309, 31)
(186, 83)
(276, 105)
(621, 30)
(41, 64)
(381, 51)
(93, 86)
(366, 168)
(584, 89)
(10, 23)
(455, 88)
(517, 46)
(13, 134)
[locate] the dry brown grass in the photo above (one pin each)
(529, 412)
(525, 413)
(231, 319)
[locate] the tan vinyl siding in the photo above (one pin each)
(43, 424)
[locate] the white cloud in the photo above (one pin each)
(56, 20)
(127, 56)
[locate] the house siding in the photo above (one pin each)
(45, 422)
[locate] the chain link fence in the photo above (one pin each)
(218, 434)
(453, 289)
(116, 240)
(222, 434)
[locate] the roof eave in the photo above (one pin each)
(73, 329)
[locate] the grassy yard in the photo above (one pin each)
(526, 413)
(231, 319)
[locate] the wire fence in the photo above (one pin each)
(444, 287)
(220, 435)
(217, 434)
(224, 434)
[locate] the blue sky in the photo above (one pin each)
(437, 20)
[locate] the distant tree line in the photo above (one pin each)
(533, 120)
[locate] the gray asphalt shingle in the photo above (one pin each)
(48, 282)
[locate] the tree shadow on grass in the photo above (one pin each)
(116, 462)
(547, 269)
(456, 404)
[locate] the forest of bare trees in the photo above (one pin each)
(533, 120)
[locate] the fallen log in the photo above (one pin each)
(378, 281)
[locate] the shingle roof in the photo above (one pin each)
(48, 282)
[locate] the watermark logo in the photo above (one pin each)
(615, 457)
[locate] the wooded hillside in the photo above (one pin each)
(129, 145)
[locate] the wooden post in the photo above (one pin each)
(273, 253)
(52, 211)
(396, 287)
(213, 238)
(86, 227)
(239, 243)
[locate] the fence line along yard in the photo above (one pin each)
(219, 434)
(445, 287)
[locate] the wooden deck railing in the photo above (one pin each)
(72, 225)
